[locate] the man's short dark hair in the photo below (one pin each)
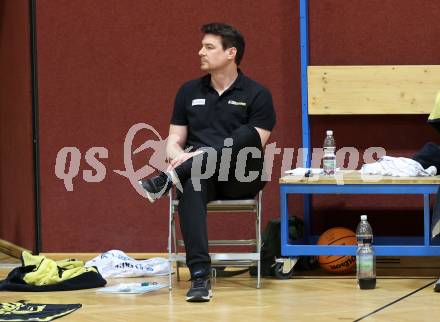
(231, 37)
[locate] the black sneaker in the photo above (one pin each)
(200, 290)
(156, 186)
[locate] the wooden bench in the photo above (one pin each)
(359, 90)
(352, 182)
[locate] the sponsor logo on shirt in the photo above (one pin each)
(236, 103)
(198, 101)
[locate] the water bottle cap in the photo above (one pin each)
(329, 132)
(364, 217)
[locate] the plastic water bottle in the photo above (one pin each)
(365, 259)
(329, 159)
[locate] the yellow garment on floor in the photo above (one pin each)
(435, 114)
(48, 271)
(24, 311)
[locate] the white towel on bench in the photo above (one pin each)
(398, 167)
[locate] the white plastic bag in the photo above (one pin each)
(116, 263)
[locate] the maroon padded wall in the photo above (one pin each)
(16, 172)
(106, 65)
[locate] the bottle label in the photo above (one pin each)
(365, 265)
(329, 165)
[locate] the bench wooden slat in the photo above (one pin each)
(402, 89)
(355, 177)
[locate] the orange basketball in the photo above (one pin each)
(337, 264)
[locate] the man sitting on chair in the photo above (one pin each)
(221, 112)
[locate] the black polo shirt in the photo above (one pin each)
(212, 118)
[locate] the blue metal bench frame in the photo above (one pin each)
(384, 246)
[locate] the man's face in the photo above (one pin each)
(212, 55)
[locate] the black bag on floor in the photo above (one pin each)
(271, 248)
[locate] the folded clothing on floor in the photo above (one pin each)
(23, 311)
(40, 274)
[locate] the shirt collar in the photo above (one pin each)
(238, 83)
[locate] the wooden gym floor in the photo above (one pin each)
(404, 293)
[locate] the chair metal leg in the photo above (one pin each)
(175, 250)
(260, 195)
(170, 260)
